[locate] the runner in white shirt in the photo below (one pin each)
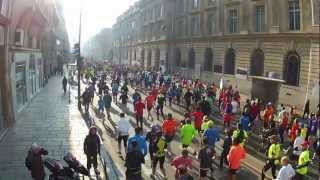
(286, 172)
(297, 149)
(235, 106)
(123, 128)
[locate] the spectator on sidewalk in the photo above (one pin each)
(35, 163)
(91, 147)
(64, 84)
(142, 145)
(133, 162)
(236, 154)
(286, 172)
(123, 127)
(100, 105)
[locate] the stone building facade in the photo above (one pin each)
(234, 40)
(32, 31)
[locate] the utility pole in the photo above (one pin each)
(79, 63)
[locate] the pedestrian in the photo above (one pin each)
(187, 97)
(206, 156)
(297, 146)
(313, 125)
(267, 115)
(149, 101)
(235, 155)
(123, 127)
(135, 96)
(283, 126)
(274, 154)
(205, 106)
(159, 156)
(142, 145)
(198, 117)
(187, 134)
(152, 137)
(211, 135)
(138, 108)
(226, 148)
(133, 162)
(101, 105)
(107, 103)
(286, 172)
(160, 103)
(86, 98)
(182, 163)
(124, 98)
(91, 148)
(306, 109)
(303, 162)
(115, 89)
(64, 84)
(169, 128)
(227, 115)
(245, 121)
(35, 163)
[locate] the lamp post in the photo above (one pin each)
(79, 63)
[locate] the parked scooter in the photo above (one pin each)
(70, 172)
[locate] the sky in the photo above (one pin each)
(96, 15)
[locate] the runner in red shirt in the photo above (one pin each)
(154, 93)
(149, 101)
(198, 116)
(182, 163)
(169, 128)
(138, 108)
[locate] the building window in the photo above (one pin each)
(208, 60)
(294, 15)
(292, 69)
(230, 62)
(180, 29)
(178, 57)
(211, 23)
(211, 2)
(180, 6)
(257, 63)
(233, 21)
(194, 26)
(195, 4)
(260, 18)
(191, 59)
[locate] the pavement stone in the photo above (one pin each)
(51, 122)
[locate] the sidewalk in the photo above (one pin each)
(52, 123)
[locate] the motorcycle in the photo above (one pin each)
(70, 172)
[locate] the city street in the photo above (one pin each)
(108, 129)
(51, 122)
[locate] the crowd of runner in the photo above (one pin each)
(289, 140)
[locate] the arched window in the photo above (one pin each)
(142, 58)
(292, 69)
(149, 58)
(178, 57)
(191, 59)
(257, 63)
(157, 59)
(208, 60)
(230, 62)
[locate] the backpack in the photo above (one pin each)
(28, 160)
